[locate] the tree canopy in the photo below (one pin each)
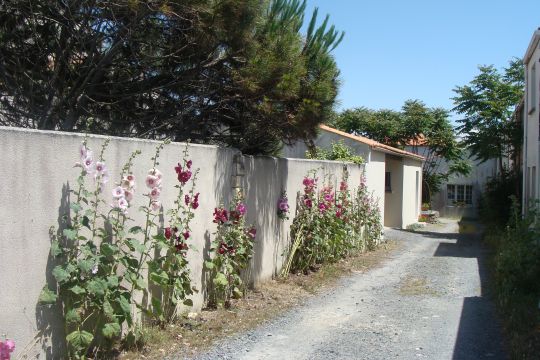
(487, 105)
(426, 131)
(235, 72)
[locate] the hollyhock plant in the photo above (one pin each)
(283, 206)
(183, 174)
(152, 181)
(232, 248)
(118, 192)
(195, 202)
(6, 348)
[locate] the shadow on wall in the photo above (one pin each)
(49, 318)
(224, 170)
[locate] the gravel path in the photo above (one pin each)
(426, 301)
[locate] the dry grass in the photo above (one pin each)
(413, 286)
(198, 332)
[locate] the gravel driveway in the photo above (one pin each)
(426, 301)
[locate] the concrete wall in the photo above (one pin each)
(37, 173)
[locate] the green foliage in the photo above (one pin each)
(422, 130)
(234, 72)
(338, 152)
(517, 269)
(487, 104)
(231, 251)
(496, 202)
(330, 224)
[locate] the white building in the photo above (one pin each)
(393, 175)
(531, 122)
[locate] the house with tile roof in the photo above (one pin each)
(393, 175)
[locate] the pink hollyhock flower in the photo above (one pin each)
(122, 204)
(343, 186)
(156, 173)
(322, 207)
(282, 205)
(188, 164)
(187, 200)
(328, 197)
(168, 233)
(154, 193)
(241, 209)
(128, 182)
(152, 181)
(155, 205)
(89, 165)
(6, 348)
(252, 232)
(338, 213)
(100, 167)
(83, 152)
(118, 192)
(128, 194)
(308, 202)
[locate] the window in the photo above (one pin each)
(459, 194)
(387, 182)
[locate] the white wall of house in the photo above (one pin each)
(412, 194)
(531, 162)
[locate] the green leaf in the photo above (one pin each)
(112, 281)
(108, 310)
(70, 234)
(47, 296)
(124, 305)
(85, 221)
(136, 245)
(60, 274)
(72, 316)
(156, 306)
(188, 302)
(79, 339)
(77, 290)
(86, 265)
(111, 330)
(136, 230)
(160, 237)
(108, 249)
(97, 287)
(209, 265)
(75, 207)
(159, 278)
(55, 248)
(220, 280)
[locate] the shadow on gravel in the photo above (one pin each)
(479, 335)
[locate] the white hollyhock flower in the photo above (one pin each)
(118, 192)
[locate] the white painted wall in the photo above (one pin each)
(393, 200)
(531, 188)
(375, 168)
(412, 194)
(36, 172)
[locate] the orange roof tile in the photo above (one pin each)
(374, 144)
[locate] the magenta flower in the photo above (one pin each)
(220, 216)
(195, 203)
(252, 232)
(187, 200)
(188, 164)
(322, 207)
(186, 235)
(343, 186)
(6, 348)
(308, 203)
(241, 209)
(168, 233)
(328, 197)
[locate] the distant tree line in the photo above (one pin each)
(233, 72)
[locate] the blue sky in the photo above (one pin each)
(396, 50)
